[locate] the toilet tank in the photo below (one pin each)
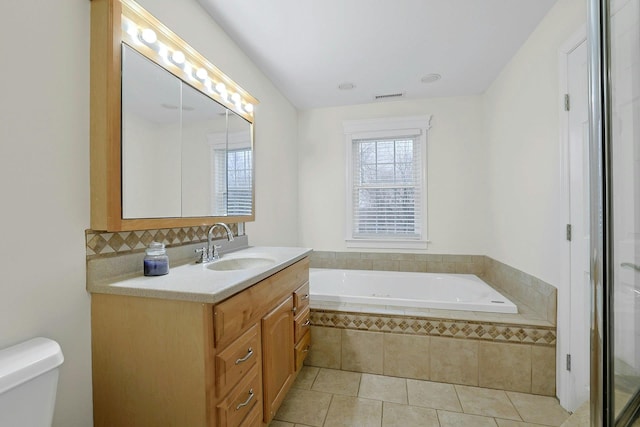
(28, 382)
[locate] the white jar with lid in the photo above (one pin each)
(156, 262)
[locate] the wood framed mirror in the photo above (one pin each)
(171, 135)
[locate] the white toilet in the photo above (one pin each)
(28, 382)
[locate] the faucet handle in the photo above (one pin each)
(216, 254)
(203, 255)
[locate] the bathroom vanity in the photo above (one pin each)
(200, 347)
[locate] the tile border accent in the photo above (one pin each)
(102, 243)
(466, 329)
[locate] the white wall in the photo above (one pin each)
(44, 182)
(275, 129)
(456, 175)
(44, 172)
(522, 109)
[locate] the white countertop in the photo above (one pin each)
(199, 283)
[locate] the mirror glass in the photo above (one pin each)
(183, 154)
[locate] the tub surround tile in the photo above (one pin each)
(538, 409)
(337, 382)
(304, 407)
(505, 366)
(362, 351)
(350, 411)
(396, 415)
(454, 419)
(326, 351)
(359, 264)
(491, 403)
(538, 294)
(406, 356)
(388, 389)
(434, 395)
(412, 266)
(543, 370)
(454, 361)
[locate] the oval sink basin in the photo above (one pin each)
(226, 264)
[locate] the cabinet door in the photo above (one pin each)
(277, 356)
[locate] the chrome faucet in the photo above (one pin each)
(210, 253)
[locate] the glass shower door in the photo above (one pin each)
(614, 40)
(625, 174)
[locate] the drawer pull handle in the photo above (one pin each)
(307, 323)
(305, 296)
(246, 402)
(306, 350)
(244, 359)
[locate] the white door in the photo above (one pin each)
(580, 298)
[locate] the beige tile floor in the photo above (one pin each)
(329, 398)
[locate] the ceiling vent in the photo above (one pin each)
(388, 96)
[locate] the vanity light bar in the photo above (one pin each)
(148, 36)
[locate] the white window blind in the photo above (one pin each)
(220, 180)
(233, 181)
(387, 188)
(239, 180)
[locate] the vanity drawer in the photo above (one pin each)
(301, 297)
(254, 419)
(241, 401)
(235, 361)
(302, 349)
(242, 310)
(301, 324)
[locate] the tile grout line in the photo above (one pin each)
(324, 420)
(514, 406)
(455, 389)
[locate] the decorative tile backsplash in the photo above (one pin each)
(467, 329)
(100, 243)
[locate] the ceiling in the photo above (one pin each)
(309, 47)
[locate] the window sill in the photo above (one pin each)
(387, 244)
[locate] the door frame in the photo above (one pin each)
(563, 377)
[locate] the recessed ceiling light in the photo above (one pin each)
(346, 86)
(430, 78)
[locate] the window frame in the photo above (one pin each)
(392, 128)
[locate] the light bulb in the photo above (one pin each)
(178, 57)
(207, 85)
(248, 108)
(201, 73)
(220, 88)
(235, 97)
(187, 69)
(132, 29)
(149, 36)
(163, 52)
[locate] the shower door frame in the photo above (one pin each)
(601, 258)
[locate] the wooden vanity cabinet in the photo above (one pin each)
(162, 362)
(278, 356)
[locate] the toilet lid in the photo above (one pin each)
(27, 360)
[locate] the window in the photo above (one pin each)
(239, 181)
(386, 182)
(231, 173)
